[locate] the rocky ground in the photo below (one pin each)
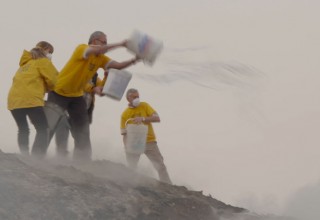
(38, 190)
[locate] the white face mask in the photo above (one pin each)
(49, 56)
(136, 102)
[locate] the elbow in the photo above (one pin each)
(116, 65)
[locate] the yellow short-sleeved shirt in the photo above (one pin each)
(143, 110)
(78, 72)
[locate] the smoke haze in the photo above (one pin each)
(236, 88)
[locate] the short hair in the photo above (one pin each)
(130, 91)
(38, 51)
(95, 35)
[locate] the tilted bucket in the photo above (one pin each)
(136, 138)
(117, 83)
(54, 115)
(145, 46)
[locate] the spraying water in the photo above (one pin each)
(246, 82)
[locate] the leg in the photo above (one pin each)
(20, 116)
(153, 153)
(39, 120)
(79, 121)
(55, 111)
(90, 112)
(61, 137)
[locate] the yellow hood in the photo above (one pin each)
(25, 58)
(32, 80)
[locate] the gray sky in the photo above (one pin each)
(247, 139)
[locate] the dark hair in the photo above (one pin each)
(130, 91)
(95, 35)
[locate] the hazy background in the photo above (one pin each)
(248, 137)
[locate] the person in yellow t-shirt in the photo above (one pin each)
(34, 78)
(72, 80)
(63, 128)
(142, 112)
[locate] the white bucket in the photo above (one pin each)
(136, 138)
(146, 47)
(117, 83)
(55, 115)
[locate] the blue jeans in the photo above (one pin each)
(39, 120)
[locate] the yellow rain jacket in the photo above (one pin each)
(32, 80)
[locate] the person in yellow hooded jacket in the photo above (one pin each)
(36, 76)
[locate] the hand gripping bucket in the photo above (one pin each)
(144, 46)
(136, 138)
(117, 83)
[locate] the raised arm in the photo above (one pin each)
(121, 65)
(102, 49)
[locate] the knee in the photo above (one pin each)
(24, 130)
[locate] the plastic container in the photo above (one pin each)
(54, 115)
(117, 83)
(136, 138)
(146, 47)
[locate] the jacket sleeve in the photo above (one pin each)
(49, 73)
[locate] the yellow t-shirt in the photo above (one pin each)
(78, 72)
(143, 110)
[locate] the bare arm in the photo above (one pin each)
(116, 65)
(150, 119)
(97, 49)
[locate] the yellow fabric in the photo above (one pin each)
(32, 80)
(143, 110)
(89, 86)
(78, 71)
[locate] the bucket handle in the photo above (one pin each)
(130, 119)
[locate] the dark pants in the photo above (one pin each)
(79, 121)
(63, 131)
(39, 120)
(62, 136)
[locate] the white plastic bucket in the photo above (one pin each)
(55, 115)
(117, 83)
(146, 47)
(136, 138)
